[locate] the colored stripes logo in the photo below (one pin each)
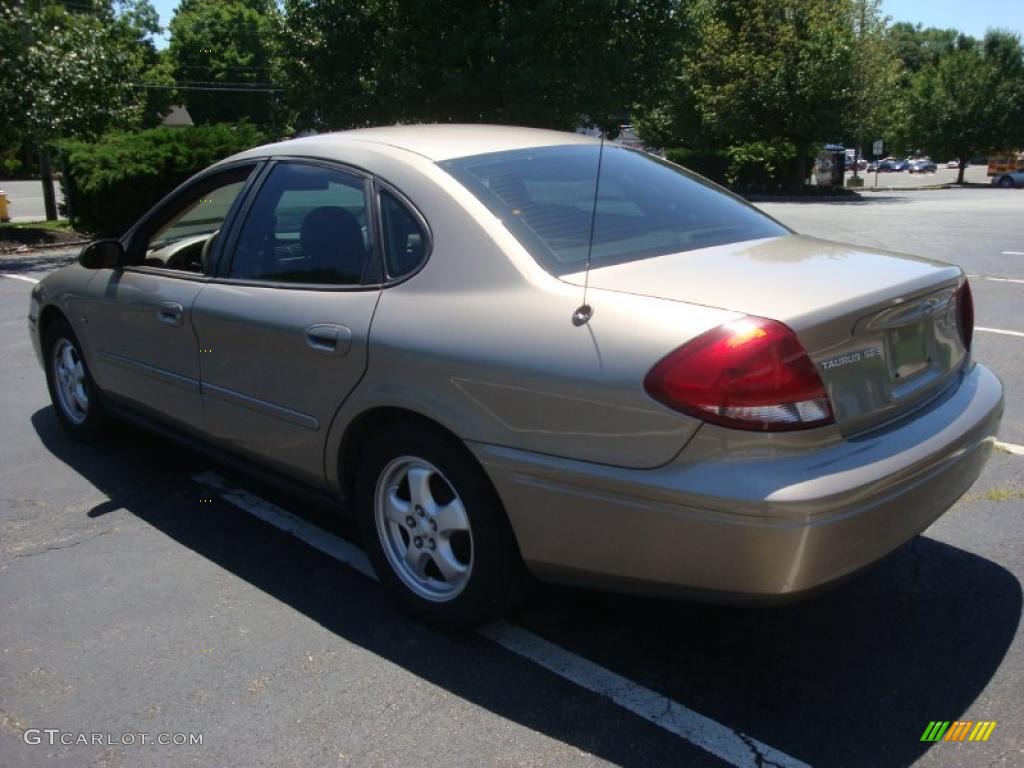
(958, 730)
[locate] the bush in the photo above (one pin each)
(121, 176)
(713, 164)
(758, 166)
(10, 164)
(755, 167)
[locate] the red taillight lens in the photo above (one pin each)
(752, 373)
(965, 305)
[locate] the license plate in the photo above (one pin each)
(908, 350)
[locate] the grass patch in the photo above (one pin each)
(1003, 494)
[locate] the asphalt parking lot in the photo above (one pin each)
(973, 174)
(144, 589)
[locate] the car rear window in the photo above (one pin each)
(645, 206)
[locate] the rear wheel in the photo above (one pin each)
(72, 391)
(435, 529)
(1005, 182)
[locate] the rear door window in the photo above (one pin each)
(307, 224)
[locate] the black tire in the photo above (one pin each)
(86, 423)
(496, 576)
(1006, 182)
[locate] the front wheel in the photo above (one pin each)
(72, 391)
(435, 529)
(1006, 182)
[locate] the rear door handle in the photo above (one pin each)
(170, 313)
(329, 338)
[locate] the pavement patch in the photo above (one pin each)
(721, 741)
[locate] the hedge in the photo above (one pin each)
(122, 175)
(757, 167)
(712, 164)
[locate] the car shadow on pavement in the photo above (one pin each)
(850, 677)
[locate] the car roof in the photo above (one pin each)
(436, 142)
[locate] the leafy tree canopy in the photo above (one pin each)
(970, 101)
(221, 53)
(535, 62)
(68, 69)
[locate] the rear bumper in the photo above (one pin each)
(729, 524)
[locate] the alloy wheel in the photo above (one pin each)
(69, 381)
(423, 528)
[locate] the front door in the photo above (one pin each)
(283, 329)
(144, 348)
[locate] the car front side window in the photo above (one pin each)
(183, 238)
(307, 224)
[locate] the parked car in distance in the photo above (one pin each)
(923, 165)
(956, 164)
(1009, 179)
(891, 164)
(393, 321)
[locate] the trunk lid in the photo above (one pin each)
(882, 328)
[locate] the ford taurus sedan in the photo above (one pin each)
(513, 352)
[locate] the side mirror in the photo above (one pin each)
(102, 254)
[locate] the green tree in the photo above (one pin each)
(70, 70)
(221, 54)
(330, 61)
(970, 101)
(876, 107)
(918, 46)
(776, 71)
(545, 63)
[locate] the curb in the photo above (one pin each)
(52, 246)
(848, 198)
(925, 188)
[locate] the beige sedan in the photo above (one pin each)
(512, 352)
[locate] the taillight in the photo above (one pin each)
(752, 373)
(965, 306)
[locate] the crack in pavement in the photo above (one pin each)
(75, 543)
(760, 760)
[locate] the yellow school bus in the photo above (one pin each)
(1005, 163)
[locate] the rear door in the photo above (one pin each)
(283, 329)
(143, 348)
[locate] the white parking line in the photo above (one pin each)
(1017, 280)
(1013, 253)
(999, 330)
(1017, 450)
(19, 277)
(725, 743)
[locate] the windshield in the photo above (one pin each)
(645, 207)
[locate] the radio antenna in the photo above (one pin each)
(584, 312)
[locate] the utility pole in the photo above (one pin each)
(860, 76)
(46, 171)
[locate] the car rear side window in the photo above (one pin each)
(308, 224)
(645, 207)
(405, 241)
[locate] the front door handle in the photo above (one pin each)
(329, 338)
(170, 313)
